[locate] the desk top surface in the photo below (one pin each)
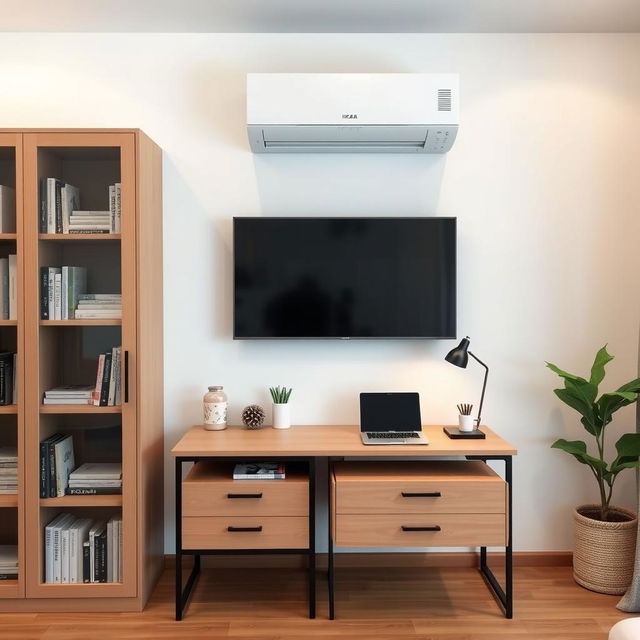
(328, 440)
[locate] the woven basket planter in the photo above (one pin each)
(604, 552)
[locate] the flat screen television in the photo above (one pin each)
(344, 278)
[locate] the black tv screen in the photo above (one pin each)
(344, 278)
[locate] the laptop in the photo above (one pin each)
(391, 418)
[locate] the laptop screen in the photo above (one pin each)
(390, 412)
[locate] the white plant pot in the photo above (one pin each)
(466, 423)
(281, 416)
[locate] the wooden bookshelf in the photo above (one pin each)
(54, 409)
(59, 352)
(78, 237)
(87, 322)
(9, 409)
(82, 501)
(8, 500)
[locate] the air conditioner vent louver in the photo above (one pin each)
(444, 99)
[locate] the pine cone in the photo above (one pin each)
(253, 416)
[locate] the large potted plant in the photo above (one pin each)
(604, 534)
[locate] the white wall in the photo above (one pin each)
(543, 180)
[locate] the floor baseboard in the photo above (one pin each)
(436, 559)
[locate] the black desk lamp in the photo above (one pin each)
(460, 357)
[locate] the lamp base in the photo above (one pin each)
(455, 434)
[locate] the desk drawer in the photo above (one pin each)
(446, 530)
(245, 533)
(209, 490)
(418, 487)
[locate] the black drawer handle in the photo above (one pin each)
(428, 494)
(234, 529)
(244, 495)
(434, 528)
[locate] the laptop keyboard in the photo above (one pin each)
(397, 434)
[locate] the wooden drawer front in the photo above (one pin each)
(275, 533)
(245, 498)
(432, 496)
(455, 530)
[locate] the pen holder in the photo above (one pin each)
(466, 423)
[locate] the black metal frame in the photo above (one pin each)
(503, 596)
(182, 593)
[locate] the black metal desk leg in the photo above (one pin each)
(312, 537)
(509, 551)
(504, 596)
(332, 614)
(178, 518)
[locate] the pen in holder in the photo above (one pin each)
(466, 422)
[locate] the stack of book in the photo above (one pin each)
(9, 288)
(259, 471)
(60, 291)
(69, 394)
(89, 222)
(8, 562)
(8, 470)
(7, 209)
(80, 550)
(56, 464)
(107, 392)
(57, 200)
(99, 305)
(96, 478)
(60, 210)
(8, 379)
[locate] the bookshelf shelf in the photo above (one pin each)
(78, 237)
(83, 501)
(9, 589)
(8, 409)
(82, 165)
(8, 500)
(60, 409)
(98, 322)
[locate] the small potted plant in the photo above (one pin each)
(281, 415)
(604, 534)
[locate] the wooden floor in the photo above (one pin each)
(372, 604)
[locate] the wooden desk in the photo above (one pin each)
(306, 443)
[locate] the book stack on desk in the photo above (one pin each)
(259, 471)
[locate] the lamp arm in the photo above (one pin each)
(484, 385)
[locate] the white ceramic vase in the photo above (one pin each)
(281, 416)
(466, 423)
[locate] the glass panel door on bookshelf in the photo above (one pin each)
(80, 318)
(11, 354)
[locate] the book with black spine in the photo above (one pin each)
(86, 563)
(43, 205)
(94, 491)
(106, 376)
(58, 223)
(44, 293)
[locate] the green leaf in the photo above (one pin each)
(597, 369)
(609, 403)
(628, 448)
(564, 374)
(575, 397)
(578, 450)
(633, 386)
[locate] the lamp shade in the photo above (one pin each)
(460, 355)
